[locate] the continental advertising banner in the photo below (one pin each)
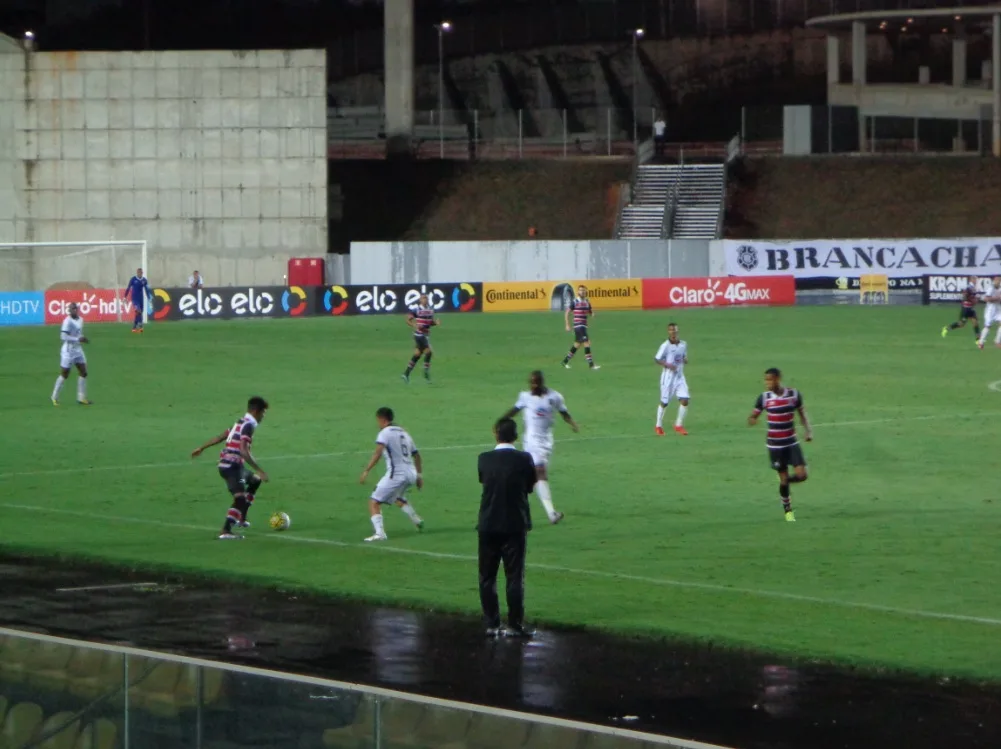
(389, 299)
(540, 296)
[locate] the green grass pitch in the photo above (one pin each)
(893, 561)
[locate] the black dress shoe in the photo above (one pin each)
(519, 632)
(492, 631)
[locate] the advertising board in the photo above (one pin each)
(96, 305)
(22, 307)
(663, 293)
(949, 289)
(388, 299)
(232, 302)
(531, 296)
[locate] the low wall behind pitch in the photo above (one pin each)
(216, 158)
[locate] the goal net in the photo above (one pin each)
(97, 271)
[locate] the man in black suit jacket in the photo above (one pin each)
(508, 477)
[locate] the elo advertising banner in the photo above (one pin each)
(662, 293)
(531, 296)
(388, 299)
(231, 302)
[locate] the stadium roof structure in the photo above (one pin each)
(959, 101)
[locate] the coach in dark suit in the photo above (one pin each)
(508, 476)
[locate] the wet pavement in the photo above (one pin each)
(697, 692)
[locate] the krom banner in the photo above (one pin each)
(850, 258)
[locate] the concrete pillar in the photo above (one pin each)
(399, 75)
(958, 62)
(833, 60)
(996, 83)
(858, 76)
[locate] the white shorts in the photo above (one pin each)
(540, 452)
(674, 387)
(992, 316)
(389, 489)
(69, 358)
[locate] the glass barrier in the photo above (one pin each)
(60, 694)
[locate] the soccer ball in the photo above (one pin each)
(280, 521)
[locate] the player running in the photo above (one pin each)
(782, 403)
(672, 356)
(992, 313)
(421, 319)
(71, 353)
(968, 310)
(404, 465)
(540, 406)
(233, 461)
(581, 309)
(138, 290)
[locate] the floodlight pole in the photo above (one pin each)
(637, 34)
(996, 83)
(442, 28)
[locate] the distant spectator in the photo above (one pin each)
(659, 135)
(195, 280)
(533, 232)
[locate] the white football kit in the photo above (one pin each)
(992, 312)
(539, 413)
(401, 473)
(72, 350)
(672, 382)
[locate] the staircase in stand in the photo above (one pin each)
(643, 217)
(700, 201)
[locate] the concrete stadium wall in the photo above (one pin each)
(217, 159)
(10, 67)
(439, 262)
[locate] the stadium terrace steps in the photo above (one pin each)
(699, 194)
(860, 197)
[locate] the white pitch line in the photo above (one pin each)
(118, 586)
(477, 446)
(664, 582)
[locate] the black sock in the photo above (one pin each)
(569, 356)
(413, 363)
(796, 479)
(786, 500)
(427, 361)
(236, 513)
(976, 332)
(587, 353)
(954, 326)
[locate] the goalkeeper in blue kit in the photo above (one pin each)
(139, 292)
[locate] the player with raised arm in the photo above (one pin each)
(581, 310)
(404, 468)
(967, 310)
(782, 404)
(241, 482)
(71, 354)
(139, 292)
(992, 313)
(421, 319)
(540, 405)
(672, 356)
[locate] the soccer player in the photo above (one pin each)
(581, 309)
(233, 461)
(992, 313)
(968, 310)
(421, 319)
(540, 406)
(404, 466)
(138, 289)
(672, 356)
(71, 353)
(782, 404)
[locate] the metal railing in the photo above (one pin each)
(733, 153)
(671, 204)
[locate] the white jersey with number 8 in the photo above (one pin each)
(401, 473)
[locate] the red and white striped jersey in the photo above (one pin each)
(241, 432)
(781, 409)
(425, 319)
(581, 311)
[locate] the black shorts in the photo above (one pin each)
(236, 477)
(783, 457)
(967, 313)
(421, 342)
(580, 333)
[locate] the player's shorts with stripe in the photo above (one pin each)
(421, 342)
(967, 313)
(675, 386)
(236, 476)
(540, 451)
(782, 458)
(580, 333)
(69, 358)
(391, 488)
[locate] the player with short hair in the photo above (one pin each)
(404, 468)
(241, 482)
(581, 309)
(992, 313)
(71, 354)
(421, 319)
(782, 404)
(967, 310)
(139, 291)
(540, 405)
(672, 356)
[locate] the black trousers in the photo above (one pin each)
(508, 548)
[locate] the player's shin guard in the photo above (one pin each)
(587, 355)
(786, 500)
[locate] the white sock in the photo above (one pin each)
(681, 416)
(546, 497)
(60, 381)
(997, 336)
(984, 331)
(377, 524)
(660, 416)
(81, 388)
(411, 513)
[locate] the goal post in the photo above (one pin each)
(45, 266)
